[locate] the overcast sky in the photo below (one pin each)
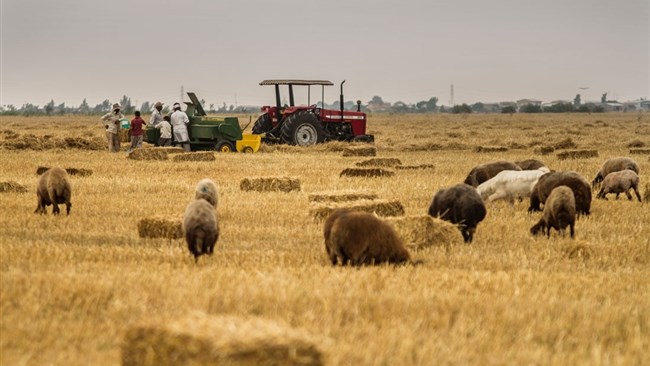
(401, 50)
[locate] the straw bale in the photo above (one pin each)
(544, 150)
(95, 143)
(567, 143)
(11, 186)
(380, 207)
(423, 231)
(577, 154)
(646, 193)
(360, 151)
(640, 151)
(488, 149)
(125, 135)
(426, 146)
(199, 339)
(72, 171)
(342, 196)
(170, 149)
(385, 162)
(195, 156)
(270, 184)
(636, 143)
(366, 172)
(148, 154)
(158, 227)
(415, 167)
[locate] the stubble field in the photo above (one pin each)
(71, 286)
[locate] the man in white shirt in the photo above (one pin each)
(179, 121)
(111, 121)
(156, 115)
(165, 132)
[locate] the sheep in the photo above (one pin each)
(461, 205)
(614, 165)
(578, 184)
(559, 212)
(53, 188)
(201, 227)
(620, 182)
(481, 173)
(359, 238)
(207, 190)
(510, 184)
(529, 164)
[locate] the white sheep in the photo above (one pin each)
(620, 182)
(207, 190)
(509, 184)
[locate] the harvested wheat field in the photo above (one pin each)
(71, 287)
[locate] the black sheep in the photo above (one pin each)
(547, 182)
(460, 205)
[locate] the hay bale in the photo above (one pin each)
(636, 143)
(125, 135)
(415, 167)
(195, 156)
(646, 193)
(366, 172)
(567, 143)
(640, 151)
(200, 339)
(385, 162)
(380, 207)
(577, 154)
(270, 184)
(342, 196)
(544, 150)
(79, 172)
(11, 186)
(160, 228)
(170, 149)
(81, 143)
(423, 231)
(148, 154)
(489, 149)
(360, 151)
(41, 169)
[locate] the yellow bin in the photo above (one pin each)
(249, 143)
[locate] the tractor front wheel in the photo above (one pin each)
(225, 146)
(302, 129)
(262, 124)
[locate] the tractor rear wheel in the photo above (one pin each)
(262, 124)
(303, 129)
(225, 146)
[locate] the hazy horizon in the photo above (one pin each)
(401, 51)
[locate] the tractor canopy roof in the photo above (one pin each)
(295, 82)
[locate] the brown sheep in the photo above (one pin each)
(483, 172)
(559, 212)
(360, 238)
(530, 164)
(200, 226)
(620, 182)
(461, 205)
(614, 165)
(53, 189)
(578, 184)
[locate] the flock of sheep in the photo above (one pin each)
(358, 238)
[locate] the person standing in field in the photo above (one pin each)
(136, 132)
(111, 121)
(156, 115)
(179, 121)
(165, 132)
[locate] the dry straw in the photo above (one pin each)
(72, 171)
(148, 154)
(639, 151)
(12, 186)
(195, 156)
(490, 149)
(270, 184)
(199, 339)
(47, 142)
(125, 136)
(646, 193)
(160, 228)
(366, 172)
(577, 154)
(567, 143)
(544, 150)
(171, 150)
(578, 251)
(341, 196)
(379, 207)
(360, 151)
(415, 167)
(423, 231)
(385, 162)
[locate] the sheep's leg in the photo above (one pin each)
(617, 195)
(497, 196)
(636, 191)
(55, 208)
(68, 205)
(572, 231)
(40, 208)
(629, 196)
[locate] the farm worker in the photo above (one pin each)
(156, 115)
(136, 132)
(179, 121)
(111, 121)
(165, 132)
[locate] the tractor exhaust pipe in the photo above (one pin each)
(341, 101)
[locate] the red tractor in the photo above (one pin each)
(309, 124)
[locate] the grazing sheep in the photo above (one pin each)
(620, 182)
(510, 184)
(559, 212)
(207, 190)
(53, 188)
(614, 165)
(360, 238)
(200, 225)
(529, 164)
(578, 184)
(483, 172)
(461, 205)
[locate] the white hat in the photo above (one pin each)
(116, 106)
(177, 106)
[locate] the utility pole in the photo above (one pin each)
(451, 96)
(182, 94)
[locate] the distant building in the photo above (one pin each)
(524, 102)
